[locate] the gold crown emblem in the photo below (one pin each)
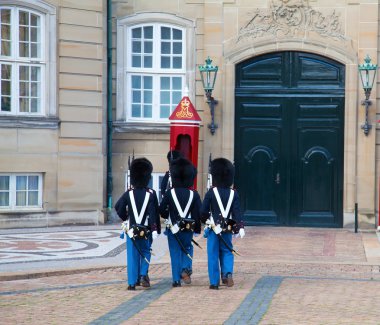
(184, 112)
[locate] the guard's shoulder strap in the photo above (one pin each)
(139, 216)
(182, 213)
(225, 212)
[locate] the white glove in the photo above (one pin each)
(124, 226)
(242, 232)
(210, 222)
(217, 229)
(130, 233)
(174, 229)
(154, 234)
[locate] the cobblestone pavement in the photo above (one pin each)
(285, 276)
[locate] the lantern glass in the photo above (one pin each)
(367, 72)
(208, 75)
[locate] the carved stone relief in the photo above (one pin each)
(288, 17)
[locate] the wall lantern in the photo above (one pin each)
(367, 72)
(208, 76)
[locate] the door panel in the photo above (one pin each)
(289, 139)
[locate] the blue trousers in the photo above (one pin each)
(220, 259)
(136, 264)
(179, 260)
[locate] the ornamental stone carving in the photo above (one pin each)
(286, 18)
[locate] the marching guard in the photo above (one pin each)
(221, 213)
(138, 208)
(180, 207)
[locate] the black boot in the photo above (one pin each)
(176, 284)
(131, 288)
(229, 280)
(214, 287)
(185, 276)
(144, 279)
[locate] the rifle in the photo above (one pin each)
(129, 170)
(209, 176)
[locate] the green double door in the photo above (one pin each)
(289, 120)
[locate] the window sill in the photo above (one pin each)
(133, 127)
(29, 122)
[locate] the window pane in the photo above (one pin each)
(5, 32)
(33, 182)
(23, 18)
(6, 48)
(136, 47)
(165, 111)
(24, 105)
(24, 49)
(147, 97)
(148, 82)
(148, 32)
(34, 20)
(147, 110)
(177, 63)
(5, 16)
(177, 83)
(6, 71)
(136, 82)
(4, 183)
(177, 48)
(4, 199)
(165, 33)
(24, 73)
(34, 105)
(165, 62)
(165, 47)
(5, 87)
(33, 198)
(148, 61)
(136, 96)
(165, 97)
(35, 75)
(21, 182)
(136, 110)
(177, 34)
(136, 61)
(136, 32)
(148, 47)
(176, 97)
(165, 83)
(21, 198)
(24, 89)
(24, 34)
(34, 89)
(5, 104)
(34, 53)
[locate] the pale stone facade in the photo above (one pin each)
(230, 31)
(68, 145)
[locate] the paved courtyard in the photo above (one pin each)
(285, 276)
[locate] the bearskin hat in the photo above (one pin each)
(173, 154)
(141, 170)
(182, 172)
(222, 172)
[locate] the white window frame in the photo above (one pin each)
(47, 60)
(156, 183)
(12, 193)
(187, 72)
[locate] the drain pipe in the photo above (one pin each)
(109, 105)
